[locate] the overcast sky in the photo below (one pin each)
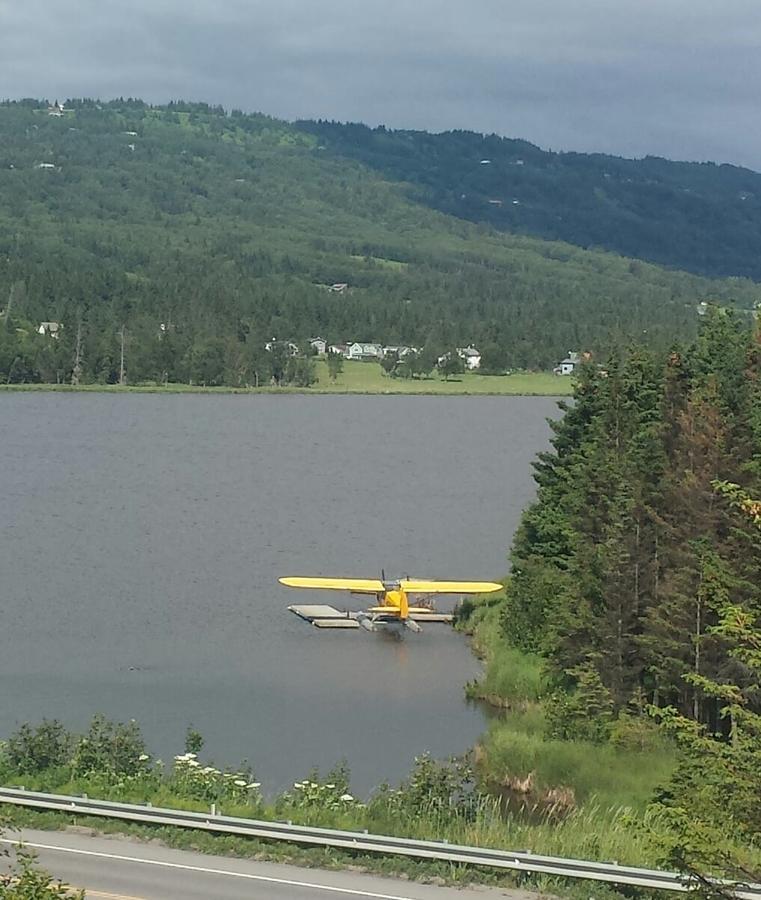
(676, 78)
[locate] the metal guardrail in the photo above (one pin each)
(522, 861)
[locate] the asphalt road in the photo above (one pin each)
(116, 868)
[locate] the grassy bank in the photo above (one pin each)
(357, 378)
(599, 780)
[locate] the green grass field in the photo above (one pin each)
(361, 378)
(369, 378)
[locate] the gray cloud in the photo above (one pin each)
(677, 78)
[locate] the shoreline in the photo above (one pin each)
(454, 390)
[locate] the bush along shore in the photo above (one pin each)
(624, 657)
(439, 800)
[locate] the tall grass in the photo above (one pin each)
(601, 775)
(589, 833)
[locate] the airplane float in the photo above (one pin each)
(392, 610)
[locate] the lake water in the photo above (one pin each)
(141, 538)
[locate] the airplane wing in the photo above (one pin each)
(355, 585)
(415, 586)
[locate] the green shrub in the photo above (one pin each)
(31, 750)
(112, 748)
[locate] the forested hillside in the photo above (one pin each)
(192, 236)
(701, 217)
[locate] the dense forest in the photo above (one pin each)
(701, 217)
(170, 243)
(636, 574)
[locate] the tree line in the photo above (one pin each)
(636, 575)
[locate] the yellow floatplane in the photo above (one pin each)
(392, 610)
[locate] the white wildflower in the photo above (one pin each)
(143, 757)
(255, 784)
(239, 782)
(347, 798)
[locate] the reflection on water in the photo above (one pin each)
(141, 537)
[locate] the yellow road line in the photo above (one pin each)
(107, 896)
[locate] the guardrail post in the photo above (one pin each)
(214, 809)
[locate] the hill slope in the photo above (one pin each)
(224, 230)
(695, 216)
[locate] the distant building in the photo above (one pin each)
(341, 349)
(470, 356)
(50, 329)
(57, 110)
(401, 351)
(45, 166)
(567, 365)
(340, 287)
(319, 345)
(364, 351)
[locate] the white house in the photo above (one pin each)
(340, 287)
(57, 109)
(45, 166)
(50, 329)
(341, 349)
(319, 345)
(400, 351)
(364, 351)
(470, 356)
(567, 365)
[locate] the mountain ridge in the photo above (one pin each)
(700, 217)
